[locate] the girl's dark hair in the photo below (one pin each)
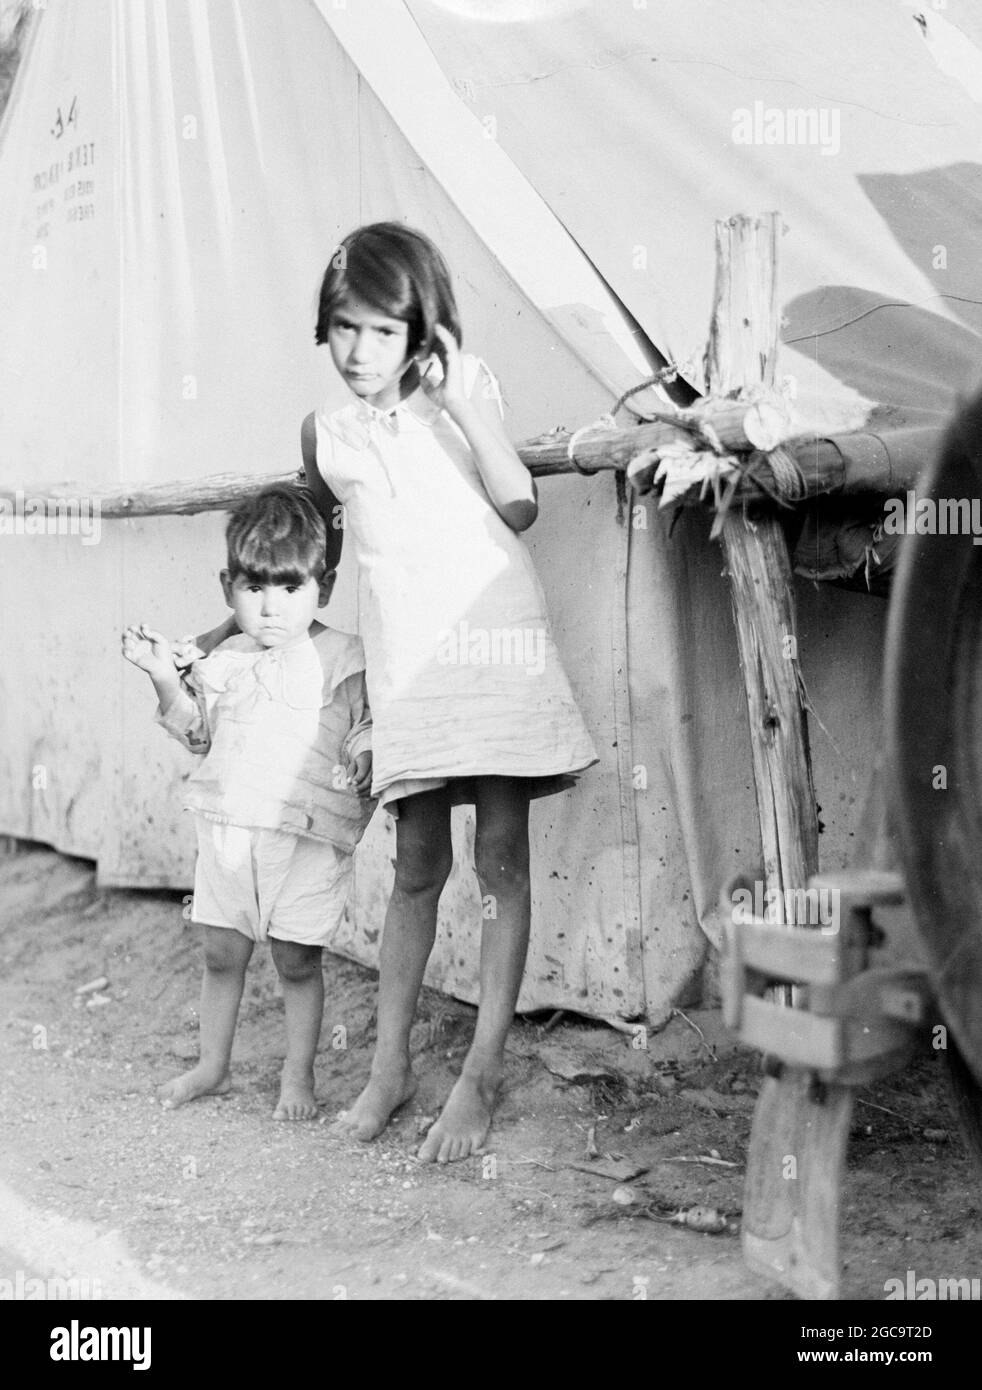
(397, 271)
(277, 537)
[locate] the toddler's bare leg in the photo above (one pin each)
(501, 854)
(227, 954)
(423, 861)
(299, 969)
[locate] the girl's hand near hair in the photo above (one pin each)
(447, 393)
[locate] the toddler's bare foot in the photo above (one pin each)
(465, 1119)
(296, 1100)
(385, 1093)
(202, 1080)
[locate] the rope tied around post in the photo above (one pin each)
(607, 422)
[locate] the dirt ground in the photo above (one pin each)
(216, 1200)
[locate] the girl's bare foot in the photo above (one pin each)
(382, 1097)
(202, 1080)
(296, 1100)
(465, 1119)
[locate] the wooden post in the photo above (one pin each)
(798, 1141)
(741, 358)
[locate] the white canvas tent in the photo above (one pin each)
(173, 177)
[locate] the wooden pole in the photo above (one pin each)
(798, 1140)
(740, 358)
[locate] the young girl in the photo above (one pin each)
(280, 716)
(469, 701)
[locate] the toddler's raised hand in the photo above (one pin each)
(148, 650)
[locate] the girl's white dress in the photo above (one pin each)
(463, 677)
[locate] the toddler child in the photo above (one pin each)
(279, 714)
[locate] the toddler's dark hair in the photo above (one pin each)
(277, 537)
(397, 271)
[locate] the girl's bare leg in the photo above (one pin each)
(501, 854)
(424, 857)
(227, 954)
(299, 969)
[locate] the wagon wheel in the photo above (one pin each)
(933, 693)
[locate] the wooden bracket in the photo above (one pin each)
(849, 1023)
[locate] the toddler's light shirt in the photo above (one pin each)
(277, 727)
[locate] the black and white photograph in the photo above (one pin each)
(491, 697)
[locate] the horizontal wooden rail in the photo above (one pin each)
(822, 465)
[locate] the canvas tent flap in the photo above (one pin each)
(845, 118)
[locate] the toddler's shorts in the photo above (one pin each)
(266, 883)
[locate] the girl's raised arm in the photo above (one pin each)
(324, 500)
(507, 481)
